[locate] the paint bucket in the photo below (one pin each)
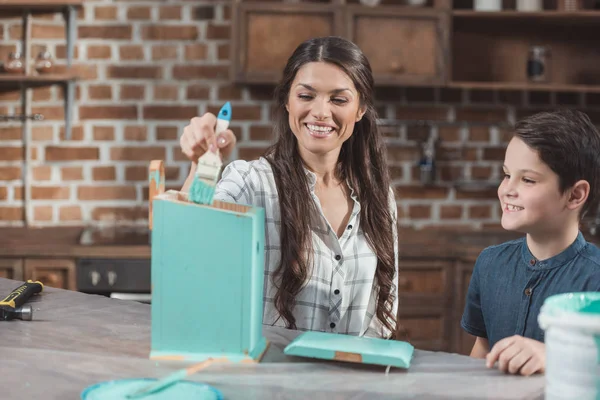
(119, 389)
(571, 322)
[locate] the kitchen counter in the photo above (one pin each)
(76, 340)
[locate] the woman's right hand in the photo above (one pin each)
(200, 135)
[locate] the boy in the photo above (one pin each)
(551, 180)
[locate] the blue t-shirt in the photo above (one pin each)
(509, 286)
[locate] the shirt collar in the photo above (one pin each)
(312, 181)
(560, 259)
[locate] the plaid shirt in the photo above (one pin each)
(339, 295)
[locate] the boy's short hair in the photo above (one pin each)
(569, 143)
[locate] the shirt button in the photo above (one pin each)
(338, 257)
(532, 261)
(332, 325)
(336, 291)
(349, 227)
(528, 292)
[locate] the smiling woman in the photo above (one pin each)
(331, 217)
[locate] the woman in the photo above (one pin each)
(330, 233)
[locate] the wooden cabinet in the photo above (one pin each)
(403, 46)
(431, 301)
(11, 268)
(59, 273)
(265, 36)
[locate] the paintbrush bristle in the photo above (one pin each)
(202, 189)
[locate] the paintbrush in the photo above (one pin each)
(171, 379)
(209, 166)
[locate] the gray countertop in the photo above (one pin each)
(76, 340)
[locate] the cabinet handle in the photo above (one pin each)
(112, 277)
(403, 282)
(95, 277)
(397, 68)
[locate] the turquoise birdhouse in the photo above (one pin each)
(207, 277)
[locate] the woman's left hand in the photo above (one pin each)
(518, 355)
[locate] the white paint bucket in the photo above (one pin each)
(571, 322)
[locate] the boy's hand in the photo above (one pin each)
(517, 354)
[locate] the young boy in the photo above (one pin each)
(551, 180)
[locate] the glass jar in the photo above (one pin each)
(43, 62)
(538, 64)
(14, 63)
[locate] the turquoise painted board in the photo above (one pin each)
(207, 280)
(365, 350)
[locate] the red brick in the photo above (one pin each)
(200, 72)
(11, 213)
(100, 92)
(184, 113)
(479, 134)
(402, 153)
(108, 112)
(450, 212)
(164, 52)
(11, 153)
(494, 153)
(198, 92)
(396, 172)
(5, 50)
(417, 133)
(480, 211)
(203, 13)
(140, 174)
(104, 173)
(132, 92)
(138, 13)
(137, 153)
(58, 153)
(167, 133)
(61, 52)
(100, 193)
(128, 53)
(240, 113)
(3, 193)
(42, 93)
(170, 32)
(10, 133)
(50, 193)
(104, 133)
(261, 92)
(138, 133)
(223, 51)
(419, 211)
(447, 173)
(43, 213)
(196, 51)
(214, 31)
(490, 115)
(119, 213)
(50, 113)
(261, 132)
(69, 213)
(226, 11)
(449, 133)
(41, 31)
(8, 94)
(169, 12)
(481, 172)
(42, 133)
(18, 193)
(422, 113)
(490, 194)
(101, 52)
(230, 93)
(10, 173)
(251, 153)
(114, 32)
(422, 192)
(137, 72)
(42, 173)
(76, 133)
(105, 13)
(71, 173)
(166, 92)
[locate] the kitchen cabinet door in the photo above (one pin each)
(404, 46)
(266, 34)
(463, 342)
(59, 273)
(11, 268)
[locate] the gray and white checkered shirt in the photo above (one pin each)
(339, 295)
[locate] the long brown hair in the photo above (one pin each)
(361, 162)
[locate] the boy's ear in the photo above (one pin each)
(579, 194)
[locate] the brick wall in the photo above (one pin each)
(149, 66)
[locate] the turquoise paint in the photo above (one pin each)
(155, 175)
(207, 278)
(118, 390)
(377, 351)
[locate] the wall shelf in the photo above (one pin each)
(39, 79)
(525, 86)
(39, 5)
